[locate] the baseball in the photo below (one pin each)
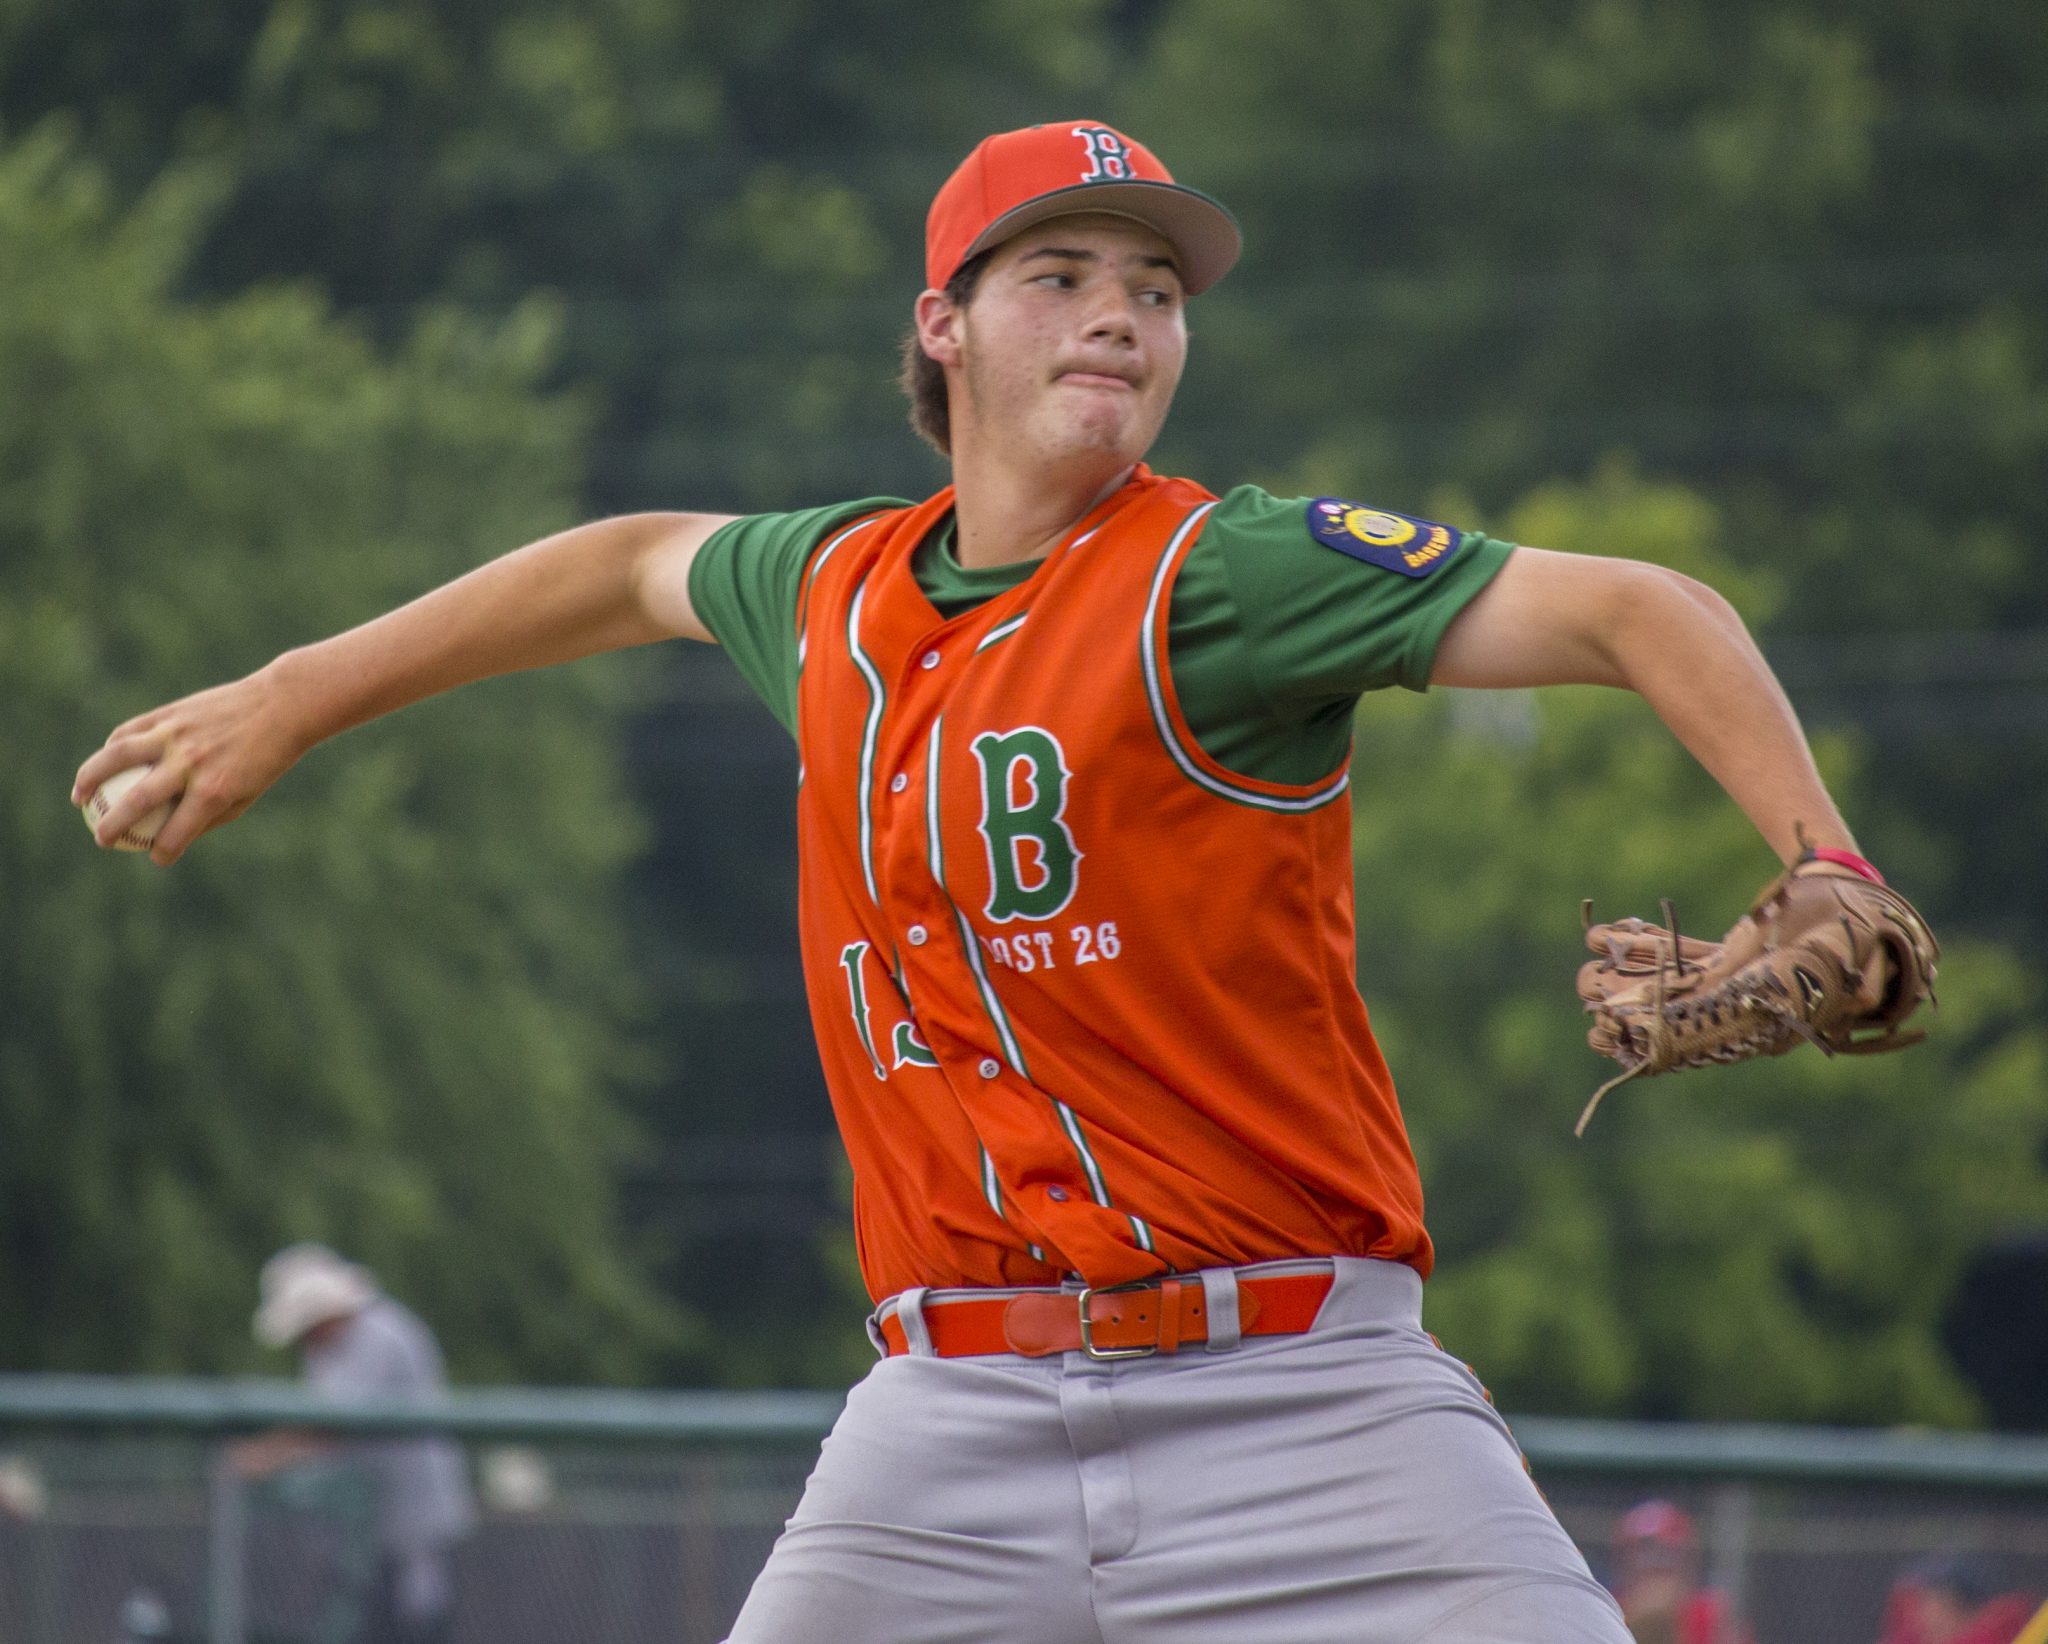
(141, 833)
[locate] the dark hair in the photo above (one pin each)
(923, 378)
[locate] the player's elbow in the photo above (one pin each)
(1653, 613)
(1674, 603)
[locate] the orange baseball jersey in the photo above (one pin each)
(1084, 997)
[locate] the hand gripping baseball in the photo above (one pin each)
(210, 756)
(1833, 960)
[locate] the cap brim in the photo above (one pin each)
(1199, 228)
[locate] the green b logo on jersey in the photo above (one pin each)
(1031, 854)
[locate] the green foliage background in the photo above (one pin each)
(308, 304)
(396, 1013)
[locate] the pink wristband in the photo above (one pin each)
(1849, 860)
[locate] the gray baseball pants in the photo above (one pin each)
(1349, 1485)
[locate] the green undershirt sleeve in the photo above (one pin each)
(744, 584)
(1274, 635)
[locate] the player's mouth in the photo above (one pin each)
(1097, 379)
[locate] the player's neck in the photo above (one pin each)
(1005, 514)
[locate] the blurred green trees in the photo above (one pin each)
(1761, 288)
(366, 1018)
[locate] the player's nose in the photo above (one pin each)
(1113, 316)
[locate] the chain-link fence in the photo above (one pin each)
(644, 1518)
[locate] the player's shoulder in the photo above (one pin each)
(1251, 521)
(751, 567)
(797, 532)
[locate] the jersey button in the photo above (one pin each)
(1058, 1195)
(929, 660)
(917, 935)
(990, 1067)
(898, 782)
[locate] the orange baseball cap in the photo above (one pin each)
(1018, 178)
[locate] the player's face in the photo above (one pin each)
(1074, 342)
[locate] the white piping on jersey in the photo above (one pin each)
(1070, 1121)
(1012, 1052)
(933, 849)
(1002, 630)
(869, 736)
(803, 636)
(992, 1191)
(1162, 721)
(1097, 1187)
(990, 1188)
(803, 639)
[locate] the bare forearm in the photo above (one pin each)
(1685, 650)
(598, 587)
(567, 596)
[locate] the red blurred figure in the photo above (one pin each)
(1952, 1600)
(1657, 1581)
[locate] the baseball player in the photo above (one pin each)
(1132, 1190)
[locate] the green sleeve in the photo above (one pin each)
(1275, 635)
(744, 584)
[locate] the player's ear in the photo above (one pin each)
(938, 320)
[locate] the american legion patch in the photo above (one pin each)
(1398, 542)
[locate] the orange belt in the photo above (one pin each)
(1117, 1321)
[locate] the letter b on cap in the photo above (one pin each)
(1109, 156)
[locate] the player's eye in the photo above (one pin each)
(1059, 280)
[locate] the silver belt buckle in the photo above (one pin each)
(1088, 1329)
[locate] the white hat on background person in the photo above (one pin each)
(304, 1285)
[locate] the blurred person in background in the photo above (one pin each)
(1657, 1581)
(1952, 1598)
(358, 1345)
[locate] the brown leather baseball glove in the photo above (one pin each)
(1820, 957)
